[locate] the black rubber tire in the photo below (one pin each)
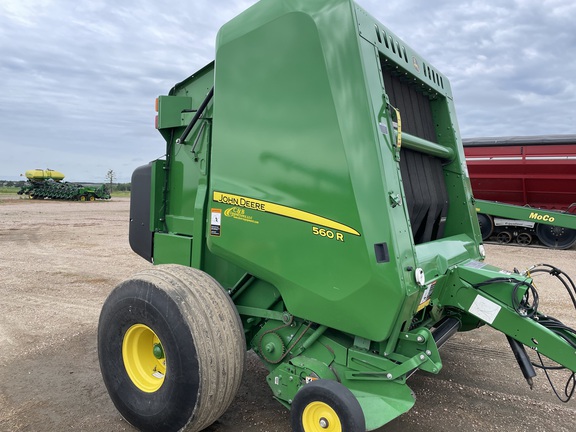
(333, 394)
(203, 339)
(486, 225)
(556, 237)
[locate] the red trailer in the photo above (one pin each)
(536, 171)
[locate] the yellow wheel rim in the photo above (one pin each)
(82, 198)
(91, 198)
(140, 351)
(320, 417)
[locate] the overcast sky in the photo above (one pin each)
(78, 79)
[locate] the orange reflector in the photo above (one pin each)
(156, 104)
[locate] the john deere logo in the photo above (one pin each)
(239, 214)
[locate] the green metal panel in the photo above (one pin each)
(170, 110)
(172, 249)
(189, 161)
(278, 138)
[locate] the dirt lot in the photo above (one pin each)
(59, 260)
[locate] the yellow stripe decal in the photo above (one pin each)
(268, 207)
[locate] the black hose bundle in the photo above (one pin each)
(557, 327)
(527, 307)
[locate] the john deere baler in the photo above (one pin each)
(313, 206)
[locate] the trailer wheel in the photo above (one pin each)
(556, 237)
(171, 349)
(524, 239)
(82, 197)
(91, 198)
(326, 406)
(504, 237)
(486, 225)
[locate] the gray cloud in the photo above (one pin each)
(509, 62)
(78, 80)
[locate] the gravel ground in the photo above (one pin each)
(59, 261)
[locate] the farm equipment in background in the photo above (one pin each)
(313, 206)
(48, 183)
(526, 188)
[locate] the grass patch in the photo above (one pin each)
(120, 194)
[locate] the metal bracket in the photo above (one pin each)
(395, 199)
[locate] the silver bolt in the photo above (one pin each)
(428, 352)
(323, 423)
(420, 339)
(422, 356)
(389, 376)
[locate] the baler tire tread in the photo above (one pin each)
(227, 342)
(202, 336)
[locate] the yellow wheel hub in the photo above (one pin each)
(144, 358)
(320, 417)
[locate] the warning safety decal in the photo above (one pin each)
(215, 222)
